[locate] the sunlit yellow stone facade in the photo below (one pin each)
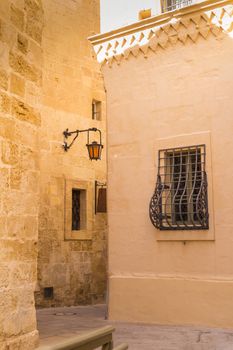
(48, 80)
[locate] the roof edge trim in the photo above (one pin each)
(157, 20)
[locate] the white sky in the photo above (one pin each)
(116, 13)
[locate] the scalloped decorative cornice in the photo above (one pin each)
(201, 20)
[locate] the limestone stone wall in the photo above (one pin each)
(74, 265)
(21, 24)
(48, 79)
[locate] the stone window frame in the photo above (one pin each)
(96, 109)
(182, 141)
(82, 234)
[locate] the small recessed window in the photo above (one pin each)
(171, 5)
(180, 201)
(48, 293)
(96, 110)
(78, 209)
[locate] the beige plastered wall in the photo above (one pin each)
(73, 263)
(179, 96)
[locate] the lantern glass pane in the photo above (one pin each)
(96, 151)
(90, 149)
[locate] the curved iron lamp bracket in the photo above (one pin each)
(68, 133)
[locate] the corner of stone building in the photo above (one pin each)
(21, 25)
(47, 83)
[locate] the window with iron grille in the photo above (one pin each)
(180, 200)
(75, 209)
(78, 209)
(170, 5)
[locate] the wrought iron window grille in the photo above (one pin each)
(180, 199)
(75, 209)
(171, 5)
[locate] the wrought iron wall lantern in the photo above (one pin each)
(94, 148)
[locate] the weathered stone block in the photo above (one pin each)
(15, 178)
(24, 112)
(15, 226)
(17, 85)
(22, 43)
(17, 17)
(35, 53)
(8, 34)
(23, 273)
(12, 203)
(29, 159)
(21, 66)
(8, 301)
(10, 153)
(13, 250)
(98, 246)
(34, 29)
(5, 103)
(4, 274)
(3, 79)
(30, 228)
(7, 129)
(3, 227)
(34, 24)
(15, 323)
(22, 227)
(34, 9)
(4, 55)
(5, 9)
(26, 136)
(4, 179)
(24, 342)
(31, 182)
(87, 246)
(76, 246)
(29, 204)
